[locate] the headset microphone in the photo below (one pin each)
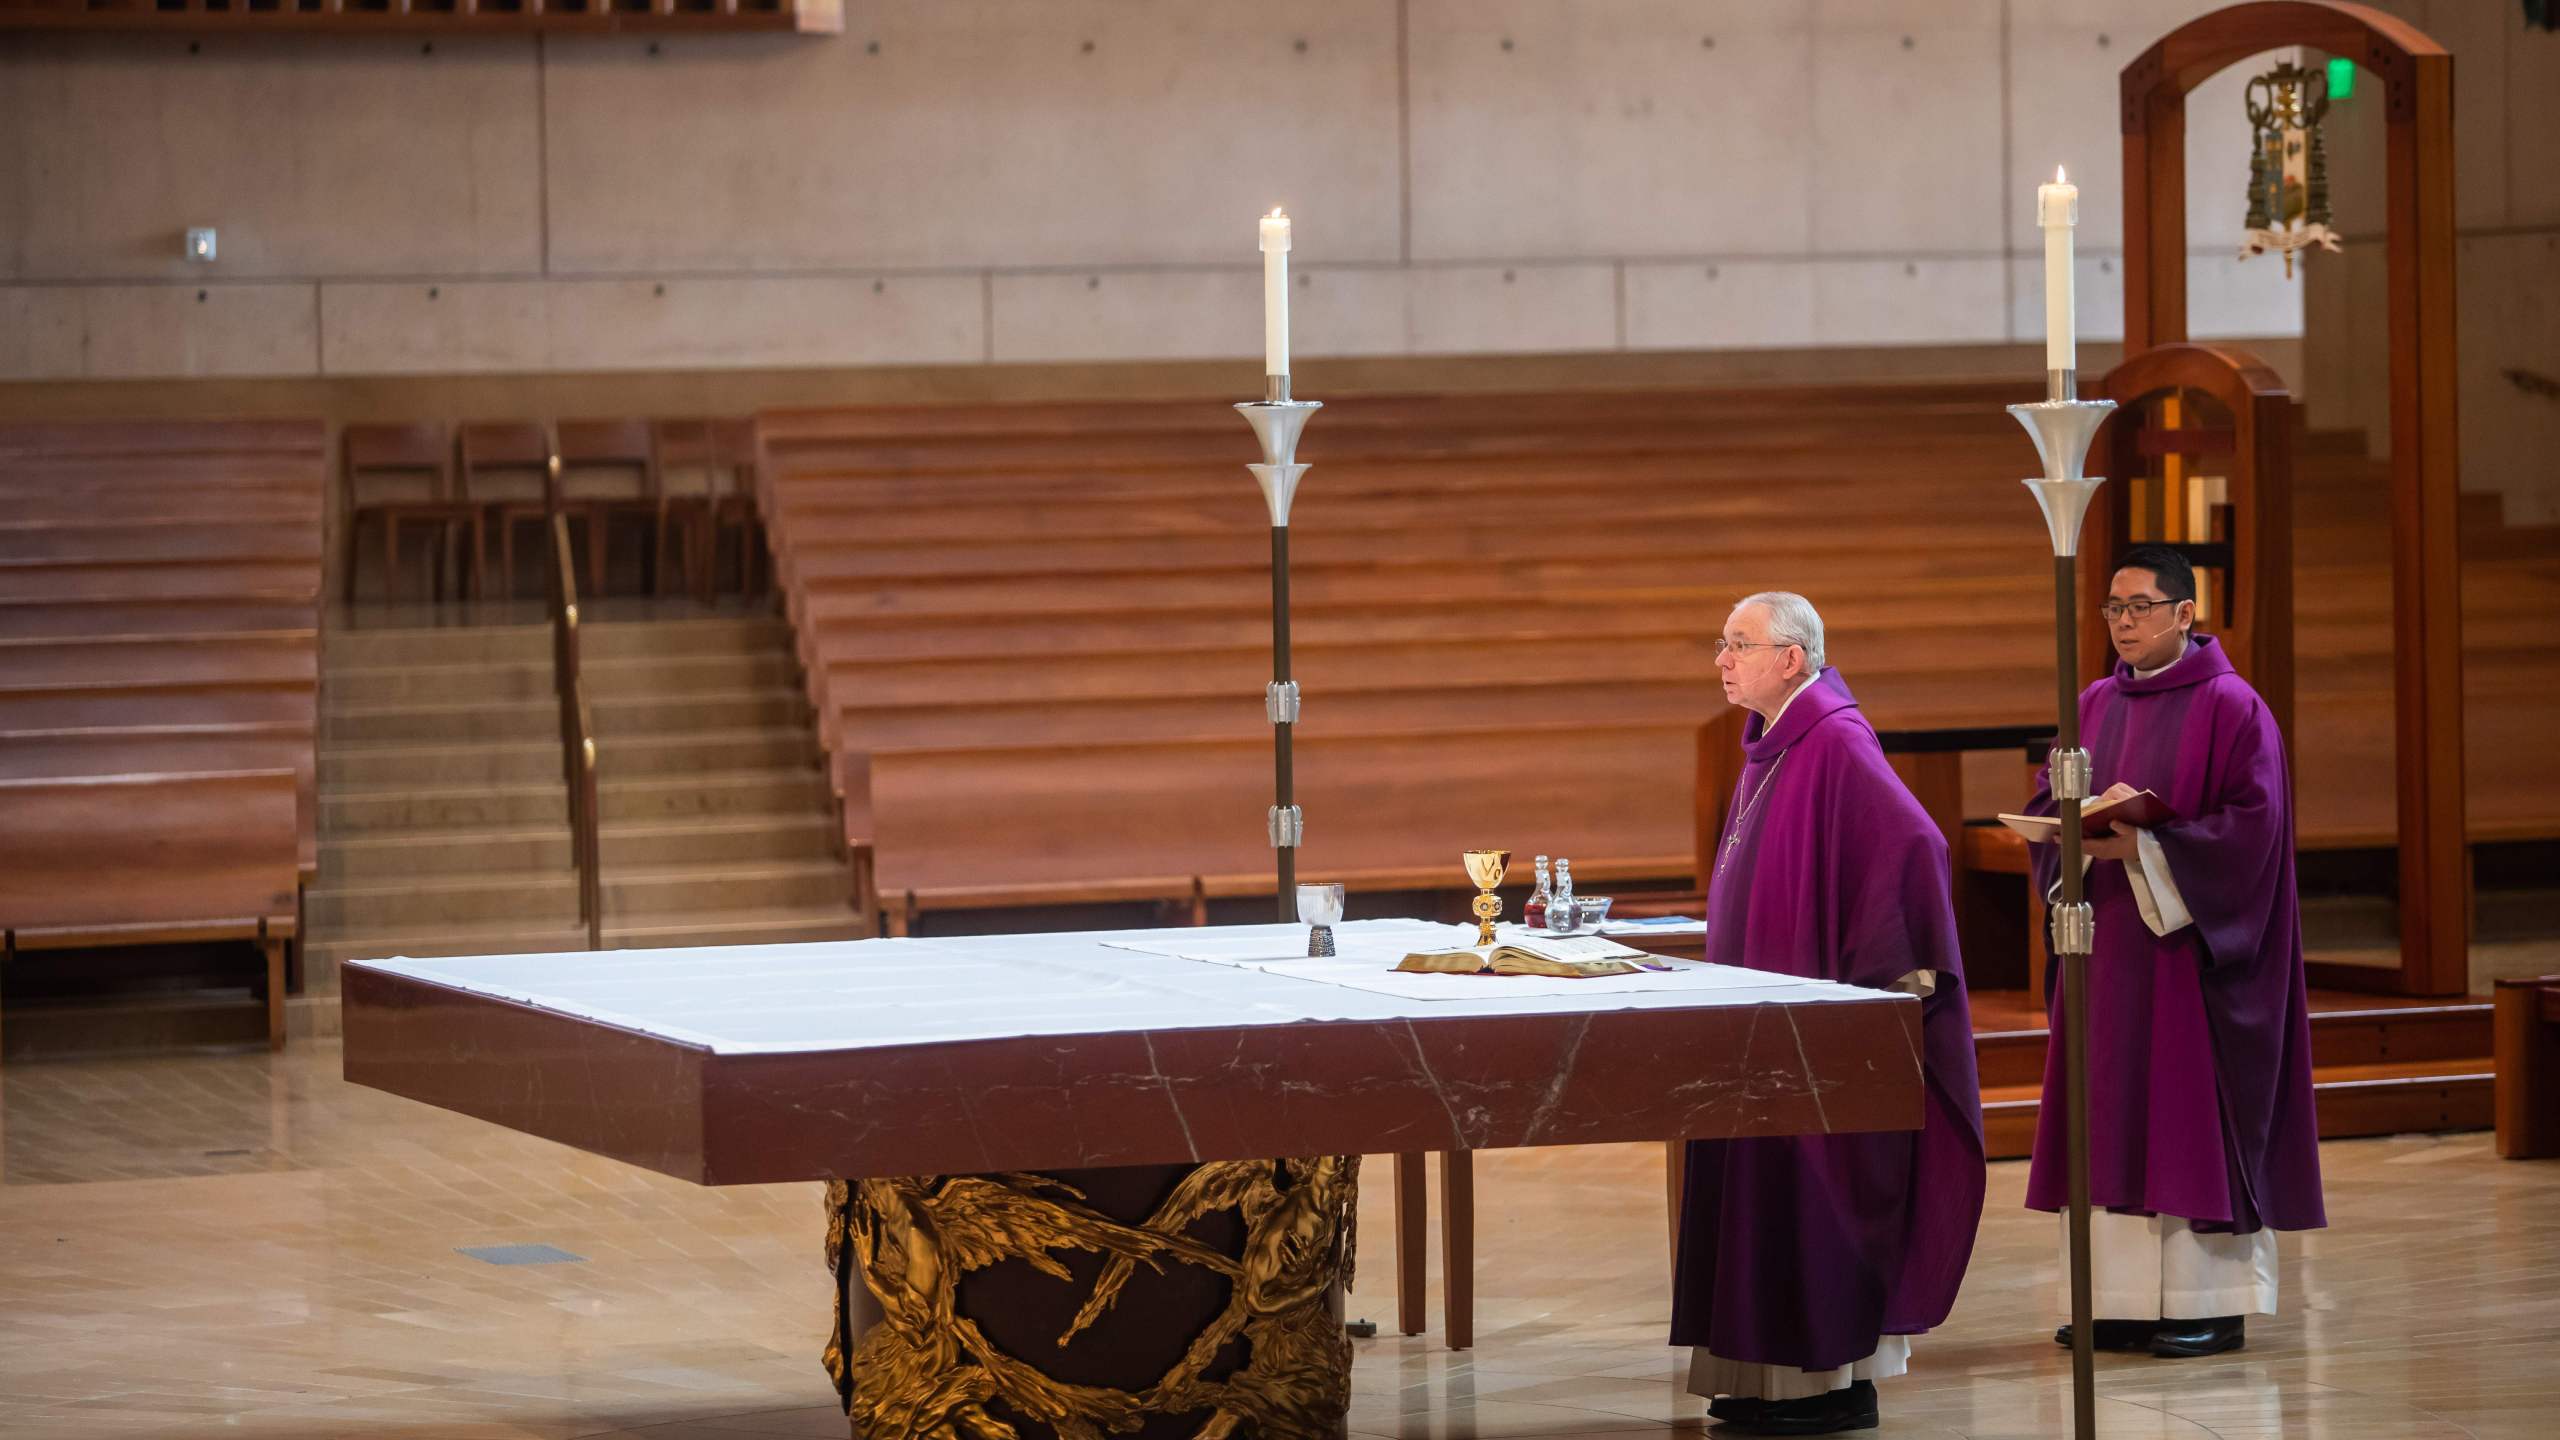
(2165, 629)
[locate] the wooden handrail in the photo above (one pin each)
(577, 727)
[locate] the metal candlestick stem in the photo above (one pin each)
(1277, 422)
(2063, 425)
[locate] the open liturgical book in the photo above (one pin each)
(1570, 957)
(2141, 809)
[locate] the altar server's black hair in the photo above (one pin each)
(2177, 578)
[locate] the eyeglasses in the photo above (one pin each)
(2116, 610)
(1722, 645)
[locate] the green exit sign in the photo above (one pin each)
(2342, 77)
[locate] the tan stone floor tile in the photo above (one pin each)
(815, 1422)
(319, 1293)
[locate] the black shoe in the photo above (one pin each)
(2187, 1339)
(1850, 1408)
(1732, 1409)
(2112, 1335)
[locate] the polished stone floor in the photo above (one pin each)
(246, 1246)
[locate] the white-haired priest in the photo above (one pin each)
(1807, 1263)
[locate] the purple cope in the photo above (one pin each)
(1805, 1250)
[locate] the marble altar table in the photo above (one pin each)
(1053, 1206)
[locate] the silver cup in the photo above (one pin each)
(1320, 906)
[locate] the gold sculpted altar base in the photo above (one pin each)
(1148, 1301)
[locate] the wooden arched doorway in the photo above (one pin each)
(2417, 82)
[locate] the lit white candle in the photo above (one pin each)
(1275, 293)
(2058, 210)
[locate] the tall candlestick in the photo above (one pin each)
(2058, 210)
(1275, 293)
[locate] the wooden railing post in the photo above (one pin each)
(577, 729)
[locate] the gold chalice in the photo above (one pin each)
(1486, 868)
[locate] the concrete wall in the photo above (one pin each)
(2507, 266)
(975, 182)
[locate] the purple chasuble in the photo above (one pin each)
(2199, 1040)
(1805, 1250)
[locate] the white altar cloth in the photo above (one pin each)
(865, 994)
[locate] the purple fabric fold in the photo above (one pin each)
(2200, 1101)
(1805, 1250)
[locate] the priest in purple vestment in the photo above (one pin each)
(1805, 1264)
(2202, 1140)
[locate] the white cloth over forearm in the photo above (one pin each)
(2147, 875)
(2155, 890)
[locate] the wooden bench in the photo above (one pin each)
(155, 541)
(111, 705)
(178, 749)
(193, 438)
(959, 574)
(2528, 1065)
(151, 859)
(284, 655)
(159, 673)
(1070, 824)
(189, 499)
(27, 619)
(871, 423)
(178, 583)
(1334, 442)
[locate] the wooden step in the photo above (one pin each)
(2380, 1066)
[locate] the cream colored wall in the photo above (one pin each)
(2506, 81)
(974, 182)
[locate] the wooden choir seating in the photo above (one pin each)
(134, 859)
(683, 482)
(1077, 598)
(159, 682)
(1028, 635)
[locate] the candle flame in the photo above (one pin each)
(1277, 213)
(2057, 176)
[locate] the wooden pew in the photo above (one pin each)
(179, 583)
(39, 619)
(1071, 824)
(281, 655)
(155, 541)
(210, 702)
(1336, 442)
(1686, 583)
(194, 438)
(188, 500)
(1940, 470)
(158, 682)
(871, 423)
(154, 749)
(151, 859)
(2528, 1065)
(1326, 665)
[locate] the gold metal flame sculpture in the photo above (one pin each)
(926, 1370)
